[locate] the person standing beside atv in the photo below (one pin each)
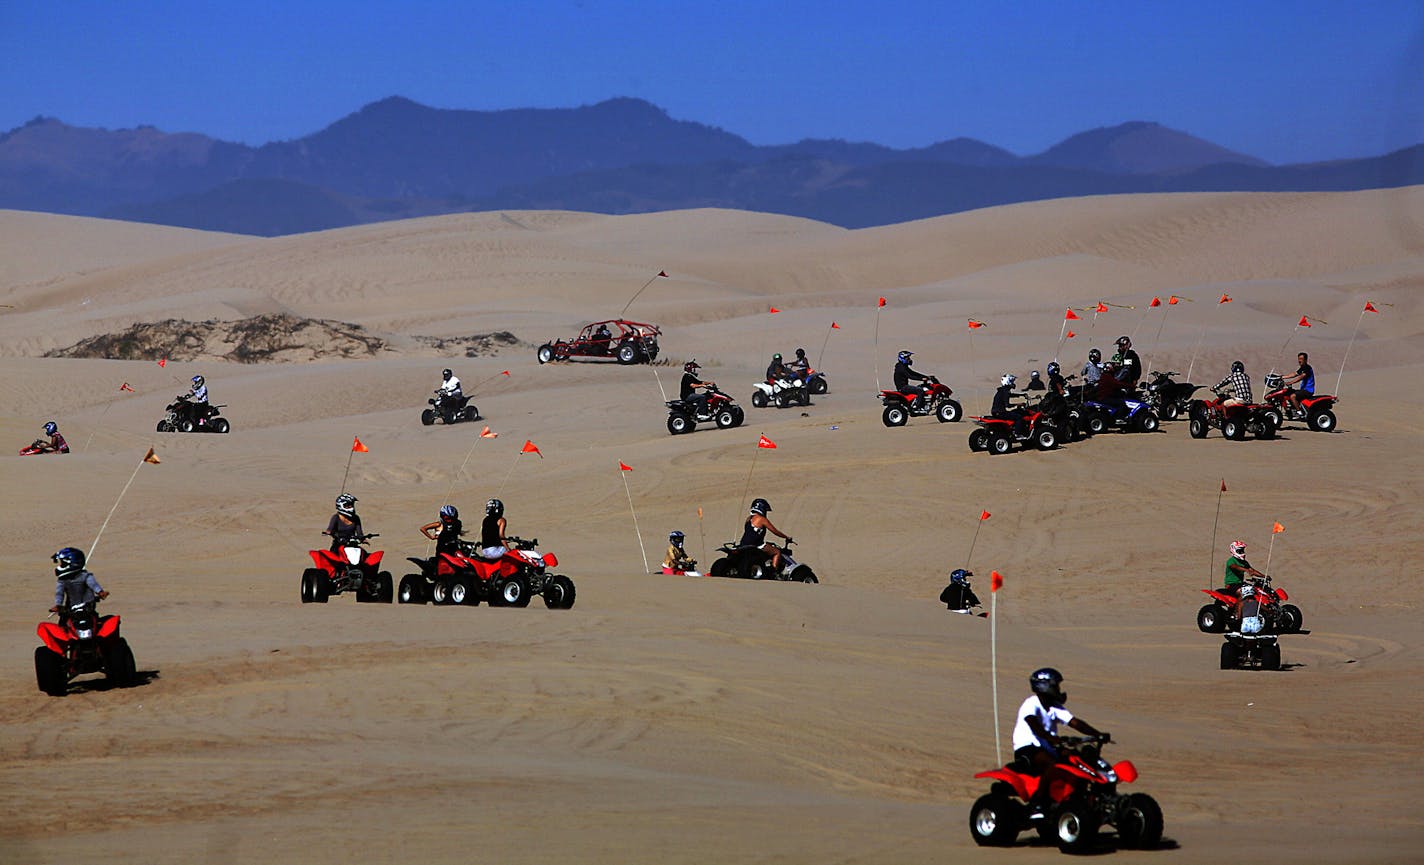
(1002, 407)
(690, 384)
(754, 532)
(344, 525)
(57, 444)
(1237, 569)
(904, 375)
(446, 530)
(1129, 365)
(492, 541)
(1240, 385)
(73, 585)
(677, 558)
(1305, 374)
(1036, 731)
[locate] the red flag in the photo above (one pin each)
(975, 325)
(151, 457)
(357, 447)
(1156, 301)
(984, 515)
(1102, 307)
(486, 434)
(163, 362)
(1223, 484)
(1224, 299)
(125, 386)
(506, 372)
(882, 301)
(1070, 315)
(1069, 335)
(531, 448)
(835, 326)
(774, 310)
(996, 581)
(663, 274)
(1304, 322)
(766, 443)
(1370, 307)
(1172, 301)
(624, 466)
(1277, 529)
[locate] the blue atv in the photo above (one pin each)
(1124, 413)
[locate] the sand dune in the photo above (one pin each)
(679, 720)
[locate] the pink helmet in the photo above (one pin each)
(1238, 548)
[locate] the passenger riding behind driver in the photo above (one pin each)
(493, 543)
(344, 525)
(754, 532)
(1036, 741)
(73, 585)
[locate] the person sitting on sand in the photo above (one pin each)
(56, 443)
(958, 597)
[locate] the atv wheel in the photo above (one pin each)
(806, 575)
(1233, 429)
(740, 413)
(1277, 417)
(979, 440)
(461, 593)
(753, 568)
(119, 666)
(559, 592)
(412, 589)
(803, 396)
(999, 444)
(1211, 619)
(384, 587)
(1291, 619)
(678, 423)
(1271, 657)
(1171, 411)
(440, 593)
(1096, 423)
(1267, 428)
(514, 591)
(818, 386)
(165, 426)
(1230, 656)
(1147, 422)
(427, 417)
(545, 353)
(994, 821)
(895, 415)
(1139, 822)
(49, 672)
(185, 425)
(1197, 428)
(310, 577)
(1321, 421)
(759, 398)
(949, 411)
(780, 400)
(718, 569)
(627, 353)
(726, 419)
(1076, 826)
(1045, 440)
(219, 425)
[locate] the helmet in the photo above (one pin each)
(960, 576)
(197, 382)
(494, 506)
(449, 513)
(1238, 366)
(1095, 355)
(1033, 374)
(445, 374)
(1238, 548)
(346, 504)
(51, 428)
(675, 538)
(691, 366)
(800, 352)
(1045, 682)
(1008, 379)
(68, 561)
(1053, 368)
(760, 506)
(904, 357)
(1124, 342)
(776, 357)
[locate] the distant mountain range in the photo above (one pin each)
(395, 159)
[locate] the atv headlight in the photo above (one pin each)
(353, 554)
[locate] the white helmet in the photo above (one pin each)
(1008, 379)
(346, 504)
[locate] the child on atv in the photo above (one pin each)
(56, 443)
(677, 560)
(73, 585)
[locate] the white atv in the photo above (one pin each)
(781, 393)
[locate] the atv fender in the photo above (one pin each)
(108, 627)
(1024, 785)
(374, 559)
(53, 636)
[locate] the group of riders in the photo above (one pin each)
(447, 531)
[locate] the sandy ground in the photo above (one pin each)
(680, 720)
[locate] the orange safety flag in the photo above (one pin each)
(882, 301)
(1223, 484)
(125, 386)
(486, 434)
(151, 457)
(1172, 301)
(1304, 322)
(699, 512)
(663, 274)
(1070, 315)
(774, 310)
(531, 448)
(984, 515)
(766, 443)
(163, 362)
(1069, 335)
(624, 466)
(1224, 299)
(1277, 529)
(975, 325)
(506, 372)
(1370, 307)
(835, 326)
(1156, 301)
(996, 581)
(357, 447)
(1102, 307)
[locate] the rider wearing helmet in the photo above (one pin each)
(754, 532)
(799, 366)
(73, 585)
(56, 444)
(775, 370)
(1237, 569)
(344, 525)
(1003, 407)
(904, 375)
(449, 393)
(1056, 382)
(446, 531)
(1035, 381)
(677, 560)
(492, 541)
(194, 404)
(1093, 369)
(1240, 385)
(1129, 365)
(1036, 731)
(957, 596)
(690, 384)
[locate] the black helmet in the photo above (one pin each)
(675, 538)
(776, 356)
(346, 504)
(494, 506)
(67, 562)
(445, 374)
(1045, 682)
(1095, 355)
(1124, 342)
(1053, 368)
(760, 506)
(1238, 366)
(960, 576)
(691, 366)
(800, 352)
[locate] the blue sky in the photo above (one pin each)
(1285, 81)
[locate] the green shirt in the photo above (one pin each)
(1233, 578)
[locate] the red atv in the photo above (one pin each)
(685, 414)
(998, 435)
(615, 339)
(1234, 421)
(1224, 611)
(352, 569)
(1082, 792)
(512, 580)
(900, 407)
(81, 642)
(1318, 410)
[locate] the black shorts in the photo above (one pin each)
(1023, 758)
